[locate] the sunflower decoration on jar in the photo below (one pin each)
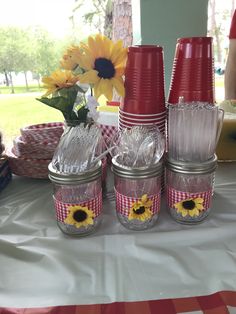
(79, 216)
(141, 209)
(190, 207)
(88, 71)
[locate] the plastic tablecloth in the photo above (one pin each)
(115, 269)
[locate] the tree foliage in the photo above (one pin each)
(98, 14)
(31, 49)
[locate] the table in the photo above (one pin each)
(171, 268)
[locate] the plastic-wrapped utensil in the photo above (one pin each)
(78, 149)
(141, 146)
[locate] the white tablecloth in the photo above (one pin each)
(40, 266)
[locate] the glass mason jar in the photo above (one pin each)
(138, 195)
(189, 189)
(77, 200)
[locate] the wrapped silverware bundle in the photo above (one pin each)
(76, 174)
(193, 132)
(137, 168)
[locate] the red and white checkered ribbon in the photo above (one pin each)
(175, 196)
(108, 131)
(125, 203)
(62, 211)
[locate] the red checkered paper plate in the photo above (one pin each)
(34, 150)
(50, 132)
(26, 167)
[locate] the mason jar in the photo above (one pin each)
(138, 195)
(189, 189)
(77, 200)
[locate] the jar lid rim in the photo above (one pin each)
(192, 167)
(129, 172)
(67, 178)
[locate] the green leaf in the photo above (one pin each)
(82, 114)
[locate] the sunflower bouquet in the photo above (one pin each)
(89, 70)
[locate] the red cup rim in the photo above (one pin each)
(141, 119)
(145, 48)
(122, 126)
(140, 123)
(143, 114)
(202, 39)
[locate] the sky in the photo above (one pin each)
(52, 14)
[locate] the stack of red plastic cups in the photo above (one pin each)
(144, 101)
(193, 71)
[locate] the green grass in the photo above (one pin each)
(20, 89)
(19, 110)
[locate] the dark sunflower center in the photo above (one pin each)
(80, 215)
(188, 205)
(105, 68)
(140, 210)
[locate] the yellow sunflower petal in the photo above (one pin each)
(119, 71)
(89, 77)
(99, 44)
(184, 212)
(121, 58)
(144, 198)
(119, 55)
(107, 48)
(116, 49)
(199, 206)
(148, 203)
(96, 89)
(193, 212)
(86, 62)
(119, 85)
(91, 43)
(107, 88)
(198, 200)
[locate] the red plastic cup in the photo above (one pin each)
(144, 80)
(123, 125)
(143, 116)
(126, 121)
(193, 71)
(129, 119)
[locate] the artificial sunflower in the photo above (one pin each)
(79, 216)
(190, 206)
(70, 59)
(103, 63)
(59, 79)
(141, 209)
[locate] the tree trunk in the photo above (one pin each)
(214, 31)
(11, 83)
(122, 26)
(38, 79)
(6, 78)
(108, 19)
(26, 81)
(232, 7)
(122, 21)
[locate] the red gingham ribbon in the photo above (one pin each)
(108, 131)
(124, 203)
(175, 196)
(94, 204)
